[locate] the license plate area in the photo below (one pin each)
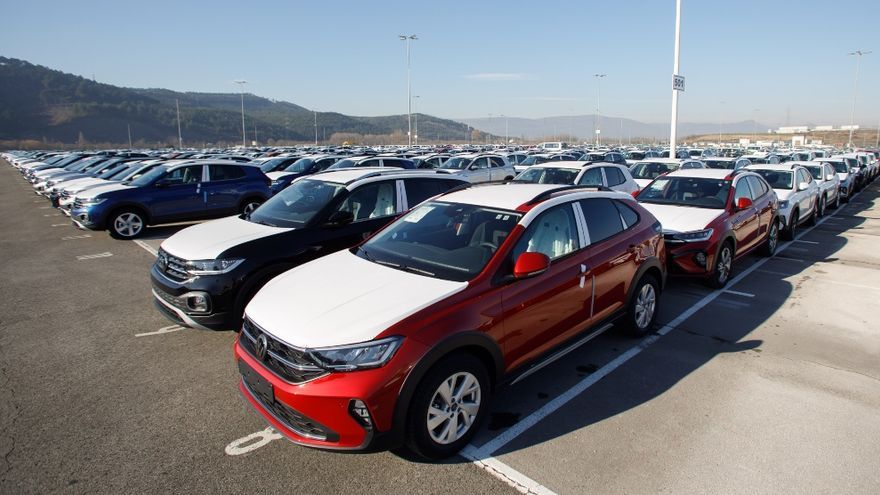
(258, 385)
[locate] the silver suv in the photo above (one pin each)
(480, 167)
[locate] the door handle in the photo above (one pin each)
(584, 268)
(583, 275)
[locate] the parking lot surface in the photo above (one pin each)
(771, 385)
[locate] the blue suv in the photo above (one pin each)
(191, 190)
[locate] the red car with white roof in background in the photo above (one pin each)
(711, 217)
(404, 338)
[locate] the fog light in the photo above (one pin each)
(700, 258)
(198, 303)
(360, 413)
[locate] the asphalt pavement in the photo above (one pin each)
(771, 386)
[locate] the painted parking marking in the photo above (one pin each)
(780, 274)
(783, 258)
(73, 237)
(738, 293)
(163, 330)
(806, 242)
(253, 441)
(94, 256)
(52, 215)
(146, 246)
(60, 224)
(44, 207)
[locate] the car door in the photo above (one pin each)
(223, 189)
(763, 202)
(478, 170)
(807, 197)
(178, 195)
(833, 182)
(745, 222)
(372, 206)
(611, 260)
(541, 311)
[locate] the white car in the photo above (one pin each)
(844, 175)
(646, 171)
(610, 175)
(479, 167)
(798, 194)
(827, 180)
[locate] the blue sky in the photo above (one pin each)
(742, 59)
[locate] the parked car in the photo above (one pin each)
(206, 274)
(712, 217)
(610, 175)
(303, 166)
(846, 177)
(467, 291)
(727, 163)
(647, 170)
(67, 195)
(372, 161)
(827, 180)
(798, 194)
(188, 191)
(480, 167)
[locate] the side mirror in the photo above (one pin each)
(803, 186)
(530, 265)
(829, 177)
(162, 183)
(340, 218)
(743, 203)
(472, 167)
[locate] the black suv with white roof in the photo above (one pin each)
(205, 274)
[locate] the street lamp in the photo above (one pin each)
(507, 129)
(416, 97)
(407, 39)
(598, 80)
(241, 83)
(719, 124)
(755, 125)
(858, 54)
(675, 67)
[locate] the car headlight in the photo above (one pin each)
(93, 201)
(357, 356)
(212, 267)
(695, 236)
(783, 204)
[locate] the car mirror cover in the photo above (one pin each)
(530, 264)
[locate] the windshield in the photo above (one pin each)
(149, 177)
(300, 166)
(816, 172)
(635, 155)
(728, 164)
(652, 170)
(122, 172)
(443, 240)
(541, 175)
(456, 162)
(272, 164)
(852, 162)
(534, 160)
(839, 167)
(344, 163)
(297, 204)
(778, 179)
(687, 191)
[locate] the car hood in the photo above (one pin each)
(342, 299)
(278, 175)
(783, 194)
(207, 241)
(105, 189)
(81, 183)
(682, 218)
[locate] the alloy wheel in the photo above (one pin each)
(128, 224)
(725, 260)
(454, 407)
(646, 304)
(250, 207)
(773, 237)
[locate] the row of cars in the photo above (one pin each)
(381, 306)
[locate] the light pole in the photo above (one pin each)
(179, 135)
(598, 81)
(755, 126)
(507, 129)
(719, 124)
(416, 97)
(316, 128)
(241, 83)
(852, 114)
(407, 39)
(675, 66)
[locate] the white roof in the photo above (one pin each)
(511, 196)
(705, 173)
(664, 160)
(577, 165)
(782, 167)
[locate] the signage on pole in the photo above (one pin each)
(677, 82)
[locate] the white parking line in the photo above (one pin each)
(44, 207)
(52, 215)
(738, 293)
(72, 237)
(806, 242)
(253, 441)
(783, 258)
(146, 246)
(94, 256)
(60, 225)
(168, 329)
(780, 274)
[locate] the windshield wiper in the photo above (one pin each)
(405, 268)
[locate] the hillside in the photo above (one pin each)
(38, 103)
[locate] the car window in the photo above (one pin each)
(553, 233)
(592, 177)
(481, 163)
(742, 191)
(630, 217)
(759, 188)
(225, 172)
(369, 163)
(496, 161)
(374, 200)
(614, 176)
(418, 190)
(185, 175)
(603, 218)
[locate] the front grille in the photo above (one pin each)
(172, 266)
(289, 363)
(77, 203)
(174, 301)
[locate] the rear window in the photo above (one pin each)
(225, 172)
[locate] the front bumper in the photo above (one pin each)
(170, 298)
(684, 258)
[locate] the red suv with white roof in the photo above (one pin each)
(404, 338)
(711, 217)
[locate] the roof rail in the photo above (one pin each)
(546, 194)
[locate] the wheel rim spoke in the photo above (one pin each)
(453, 408)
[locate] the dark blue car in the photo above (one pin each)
(185, 191)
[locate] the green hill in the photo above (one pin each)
(38, 103)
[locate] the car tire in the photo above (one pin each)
(723, 266)
(821, 206)
(769, 247)
(791, 231)
(836, 201)
(126, 223)
(811, 220)
(641, 314)
(249, 205)
(463, 371)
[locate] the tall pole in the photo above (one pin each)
(507, 130)
(755, 126)
(598, 121)
(852, 114)
(409, 135)
(719, 125)
(255, 132)
(129, 136)
(241, 83)
(877, 143)
(675, 66)
(417, 119)
(316, 127)
(179, 135)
